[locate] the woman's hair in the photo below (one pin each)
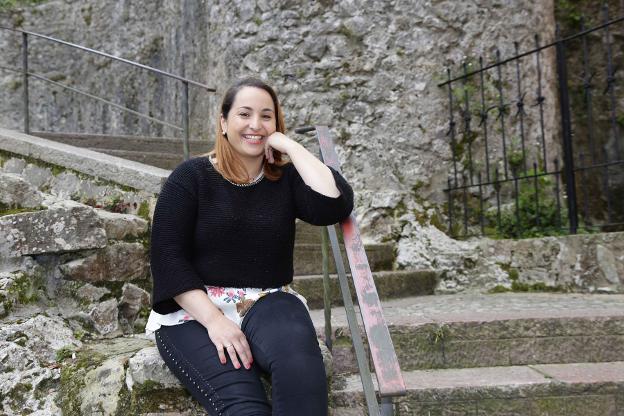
(229, 164)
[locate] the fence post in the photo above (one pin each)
(25, 82)
(566, 130)
(185, 118)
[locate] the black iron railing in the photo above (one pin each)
(24, 70)
(509, 177)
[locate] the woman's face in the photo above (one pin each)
(251, 121)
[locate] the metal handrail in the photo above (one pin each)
(113, 57)
(95, 97)
(26, 74)
(388, 373)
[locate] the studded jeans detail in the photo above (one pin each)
(188, 374)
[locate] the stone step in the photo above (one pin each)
(169, 145)
(457, 331)
(574, 389)
(160, 160)
(390, 284)
(308, 258)
(311, 234)
(127, 376)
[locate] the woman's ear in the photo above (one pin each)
(223, 126)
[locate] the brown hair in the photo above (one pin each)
(229, 164)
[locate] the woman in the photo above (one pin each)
(222, 257)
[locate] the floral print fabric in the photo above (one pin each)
(234, 303)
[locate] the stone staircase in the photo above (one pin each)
(162, 152)
(499, 354)
(483, 354)
(466, 354)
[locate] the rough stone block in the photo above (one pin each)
(25, 385)
(14, 165)
(37, 176)
(117, 262)
(147, 365)
(566, 349)
(66, 185)
(15, 192)
(133, 298)
(589, 405)
(67, 226)
(91, 293)
(102, 387)
(41, 334)
(524, 406)
(104, 317)
(120, 226)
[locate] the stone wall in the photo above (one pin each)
(576, 263)
(369, 69)
(57, 247)
(69, 273)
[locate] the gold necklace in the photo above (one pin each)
(242, 185)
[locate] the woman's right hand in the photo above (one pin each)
(228, 337)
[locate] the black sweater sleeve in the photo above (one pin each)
(172, 239)
(316, 208)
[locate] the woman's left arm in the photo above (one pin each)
(314, 173)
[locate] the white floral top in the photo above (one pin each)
(233, 302)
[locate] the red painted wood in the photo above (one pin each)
(387, 370)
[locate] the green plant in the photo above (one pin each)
(116, 204)
(439, 334)
(568, 12)
(64, 352)
(515, 157)
(536, 212)
(143, 211)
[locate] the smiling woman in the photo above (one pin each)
(250, 108)
(222, 261)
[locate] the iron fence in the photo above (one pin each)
(516, 174)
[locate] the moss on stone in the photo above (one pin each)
(499, 289)
(19, 395)
(513, 274)
(151, 397)
(64, 353)
(143, 211)
(6, 5)
(536, 287)
(57, 170)
(19, 338)
(114, 287)
(439, 335)
(73, 373)
(23, 288)
(4, 210)
(14, 85)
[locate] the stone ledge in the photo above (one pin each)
(494, 330)
(125, 172)
(558, 390)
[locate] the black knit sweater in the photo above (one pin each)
(207, 231)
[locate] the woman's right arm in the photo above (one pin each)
(224, 334)
(176, 282)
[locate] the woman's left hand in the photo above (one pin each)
(277, 141)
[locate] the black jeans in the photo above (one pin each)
(284, 345)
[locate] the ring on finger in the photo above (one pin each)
(228, 346)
